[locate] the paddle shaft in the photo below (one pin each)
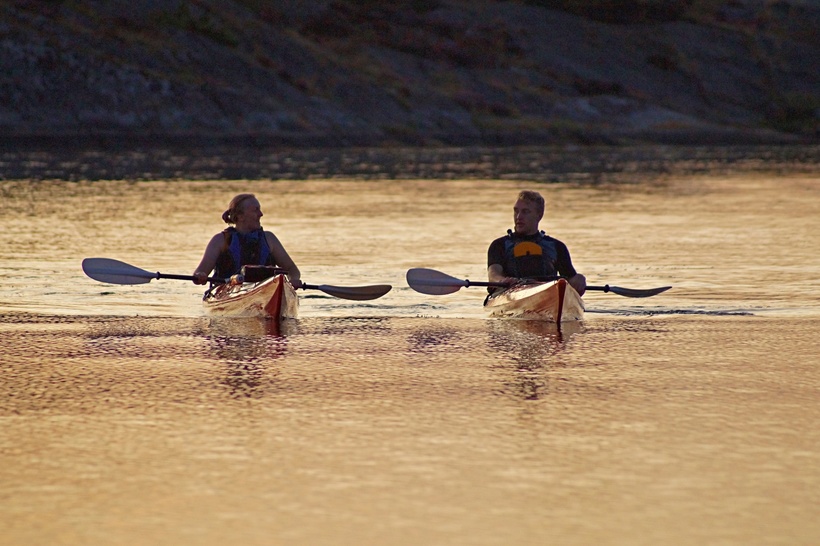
(215, 280)
(469, 283)
(605, 288)
(631, 292)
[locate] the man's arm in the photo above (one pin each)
(495, 273)
(566, 270)
(495, 255)
(579, 283)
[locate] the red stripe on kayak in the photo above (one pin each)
(562, 288)
(274, 306)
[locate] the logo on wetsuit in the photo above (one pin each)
(530, 259)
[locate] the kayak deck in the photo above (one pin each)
(554, 301)
(271, 298)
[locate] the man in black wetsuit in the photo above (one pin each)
(529, 254)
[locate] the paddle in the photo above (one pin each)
(117, 272)
(436, 283)
(359, 293)
(630, 292)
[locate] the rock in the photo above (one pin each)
(427, 72)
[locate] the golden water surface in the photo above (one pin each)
(129, 417)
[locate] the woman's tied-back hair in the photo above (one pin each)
(230, 215)
(533, 197)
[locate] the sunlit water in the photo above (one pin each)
(129, 417)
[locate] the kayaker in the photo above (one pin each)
(244, 243)
(528, 253)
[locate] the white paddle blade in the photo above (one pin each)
(115, 271)
(432, 282)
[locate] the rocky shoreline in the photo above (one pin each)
(111, 75)
(582, 164)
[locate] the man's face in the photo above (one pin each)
(526, 217)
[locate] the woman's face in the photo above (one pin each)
(248, 216)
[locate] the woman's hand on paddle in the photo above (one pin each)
(200, 277)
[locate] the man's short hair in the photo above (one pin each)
(533, 197)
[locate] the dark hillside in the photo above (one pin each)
(348, 72)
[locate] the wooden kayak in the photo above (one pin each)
(554, 301)
(272, 298)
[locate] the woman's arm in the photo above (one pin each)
(208, 262)
(283, 259)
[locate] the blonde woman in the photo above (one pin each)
(244, 242)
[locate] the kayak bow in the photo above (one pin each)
(271, 298)
(553, 301)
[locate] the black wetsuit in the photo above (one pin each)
(538, 257)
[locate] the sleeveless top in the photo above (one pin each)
(242, 249)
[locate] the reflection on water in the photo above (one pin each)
(410, 421)
(429, 340)
(534, 351)
(248, 347)
(129, 417)
(249, 328)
